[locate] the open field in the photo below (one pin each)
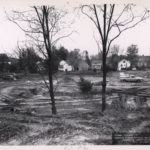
(79, 119)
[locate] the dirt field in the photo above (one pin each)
(79, 120)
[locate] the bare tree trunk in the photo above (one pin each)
(51, 91)
(104, 81)
(104, 61)
(48, 45)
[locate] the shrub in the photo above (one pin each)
(84, 85)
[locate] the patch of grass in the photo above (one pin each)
(10, 130)
(57, 129)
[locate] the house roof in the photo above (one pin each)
(63, 62)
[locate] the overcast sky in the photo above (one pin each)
(83, 39)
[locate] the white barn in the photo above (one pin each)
(124, 64)
(64, 66)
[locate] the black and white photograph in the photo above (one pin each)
(74, 73)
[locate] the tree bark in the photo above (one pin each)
(104, 61)
(48, 47)
(104, 81)
(51, 91)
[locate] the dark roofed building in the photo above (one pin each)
(143, 61)
(96, 64)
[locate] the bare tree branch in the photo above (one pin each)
(82, 7)
(59, 38)
(110, 19)
(99, 27)
(98, 44)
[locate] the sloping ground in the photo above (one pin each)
(79, 120)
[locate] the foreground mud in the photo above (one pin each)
(79, 119)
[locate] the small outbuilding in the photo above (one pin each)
(96, 64)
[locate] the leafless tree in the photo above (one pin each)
(45, 26)
(110, 25)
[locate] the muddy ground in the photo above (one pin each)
(26, 119)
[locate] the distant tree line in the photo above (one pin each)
(27, 59)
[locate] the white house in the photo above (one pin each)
(64, 66)
(124, 64)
